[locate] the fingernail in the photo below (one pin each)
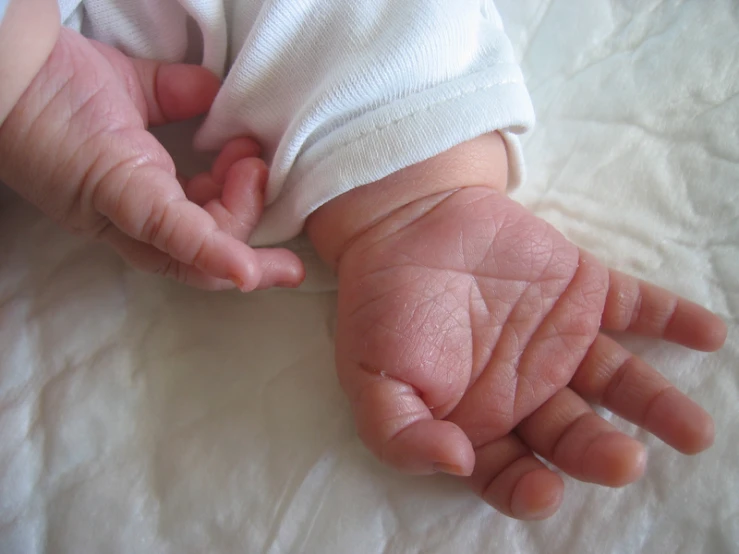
(236, 281)
(450, 469)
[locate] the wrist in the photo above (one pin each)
(337, 224)
(28, 33)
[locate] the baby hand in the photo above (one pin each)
(76, 145)
(470, 338)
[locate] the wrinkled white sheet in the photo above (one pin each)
(138, 416)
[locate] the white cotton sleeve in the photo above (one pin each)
(345, 93)
(339, 93)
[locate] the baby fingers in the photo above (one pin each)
(512, 480)
(205, 187)
(239, 207)
(568, 433)
(646, 309)
(146, 258)
(149, 206)
(157, 215)
(611, 376)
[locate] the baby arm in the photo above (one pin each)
(22, 53)
(74, 142)
(470, 336)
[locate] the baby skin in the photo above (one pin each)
(470, 332)
(470, 337)
(76, 145)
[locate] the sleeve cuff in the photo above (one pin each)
(400, 134)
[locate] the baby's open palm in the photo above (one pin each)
(470, 336)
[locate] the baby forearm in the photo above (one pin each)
(28, 33)
(479, 162)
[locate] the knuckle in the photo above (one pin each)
(617, 369)
(156, 228)
(623, 302)
(661, 315)
(203, 248)
(633, 310)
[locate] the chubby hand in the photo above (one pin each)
(470, 337)
(76, 145)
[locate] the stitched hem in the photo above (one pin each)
(390, 143)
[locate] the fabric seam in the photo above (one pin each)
(397, 120)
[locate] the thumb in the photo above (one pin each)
(164, 92)
(397, 426)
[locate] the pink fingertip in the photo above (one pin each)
(236, 281)
(680, 422)
(428, 446)
(537, 495)
(245, 285)
(715, 335)
(236, 151)
(703, 432)
(616, 460)
(696, 327)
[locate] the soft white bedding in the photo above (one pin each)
(138, 416)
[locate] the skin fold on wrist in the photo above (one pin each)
(334, 226)
(28, 33)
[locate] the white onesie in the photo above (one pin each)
(340, 93)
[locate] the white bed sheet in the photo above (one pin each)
(138, 416)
